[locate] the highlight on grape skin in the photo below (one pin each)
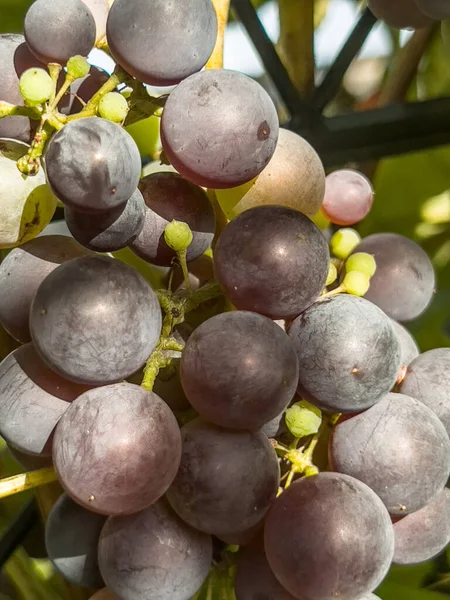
(93, 165)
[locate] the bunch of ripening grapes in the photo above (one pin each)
(185, 421)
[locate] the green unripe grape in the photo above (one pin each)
(36, 86)
(178, 235)
(78, 67)
(332, 274)
(146, 135)
(344, 242)
(320, 220)
(362, 262)
(356, 283)
(303, 419)
(114, 107)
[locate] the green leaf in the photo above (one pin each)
(303, 419)
(393, 591)
(12, 14)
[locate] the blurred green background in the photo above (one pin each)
(412, 197)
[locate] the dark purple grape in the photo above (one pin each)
(239, 370)
(435, 9)
(153, 555)
(272, 260)
(403, 284)
(169, 197)
(219, 128)
(348, 353)
(425, 533)
(71, 538)
(32, 400)
(242, 538)
(95, 320)
(329, 536)
(399, 448)
(348, 197)
(275, 426)
(15, 58)
(30, 462)
(117, 449)
(428, 380)
(408, 346)
(401, 14)
(111, 230)
(72, 31)
(141, 36)
(227, 479)
(254, 578)
(21, 273)
(93, 165)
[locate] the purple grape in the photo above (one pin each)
(242, 538)
(117, 449)
(254, 578)
(93, 165)
(401, 14)
(30, 462)
(239, 370)
(15, 58)
(348, 197)
(71, 538)
(427, 379)
(219, 128)
(32, 400)
(425, 533)
(399, 448)
(408, 346)
(111, 230)
(95, 320)
(272, 260)
(227, 479)
(169, 197)
(435, 9)
(56, 30)
(403, 284)
(348, 353)
(21, 273)
(329, 536)
(153, 555)
(141, 36)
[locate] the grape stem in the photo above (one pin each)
(11, 110)
(175, 308)
(26, 481)
(341, 289)
(183, 263)
(29, 163)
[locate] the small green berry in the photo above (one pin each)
(362, 262)
(320, 220)
(78, 67)
(178, 235)
(356, 283)
(332, 274)
(344, 241)
(303, 419)
(36, 86)
(114, 107)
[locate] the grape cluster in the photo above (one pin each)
(208, 361)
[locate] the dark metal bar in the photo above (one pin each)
(329, 87)
(18, 530)
(388, 131)
(296, 106)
